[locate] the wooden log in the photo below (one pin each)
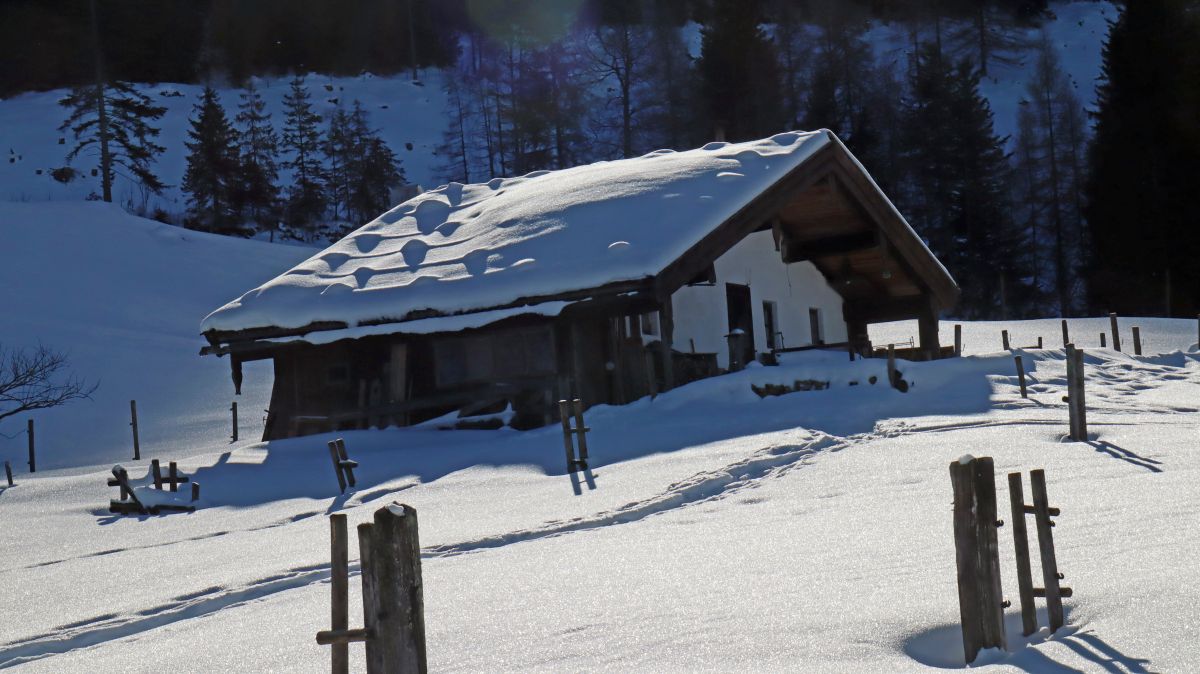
(564, 416)
(1021, 376)
(957, 339)
(337, 469)
(1016, 496)
(1004, 340)
(1116, 336)
(233, 410)
(1066, 337)
(156, 471)
(398, 625)
(8, 473)
(339, 584)
(1137, 341)
(345, 463)
(977, 554)
(891, 365)
(1062, 592)
(1041, 506)
(580, 431)
(32, 457)
(340, 639)
(137, 447)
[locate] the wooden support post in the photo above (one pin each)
(8, 473)
(137, 447)
(156, 471)
(1016, 495)
(651, 379)
(1137, 341)
(981, 606)
(1103, 340)
(564, 415)
(1116, 335)
(173, 476)
(32, 457)
(1021, 376)
(1050, 575)
(339, 584)
(398, 622)
(1066, 337)
(891, 365)
(1004, 340)
(337, 467)
(233, 409)
(666, 331)
(581, 431)
(957, 339)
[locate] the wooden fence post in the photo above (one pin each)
(337, 468)
(1137, 341)
(1021, 376)
(891, 365)
(397, 645)
(1004, 340)
(1116, 336)
(195, 491)
(1050, 574)
(1016, 496)
(1066, 338)
(137, 447)
(339, 584)
(581, 431)
(981, 605)
(1039, 341)
(173, 476)
(32, 457)
(156, 471)
(1103, 342)
(345, 463)
(564, 415)
(1079, 398)
(233, 409)
(8, 473)
(957, 339)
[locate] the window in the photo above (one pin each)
(770, 323)
(814, 323)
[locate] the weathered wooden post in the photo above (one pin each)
(137, 447)
(1050, 574)
(1021, 376)
(1137, 341)
(564, 415)
(1066, 338)
(343, 467)
(581, 431)
(195, 491)
(233, 409)
(891, 365)
(397, 618)
(1116, 336)
(981, 604)
(173, 476)
(1039, 341)
(8, 473)
(1016, 497)
(32, 457)
(957, 339)
(1079, 398)
(1103, 342)
(156, 472)
(339, 583)
(1004, 340)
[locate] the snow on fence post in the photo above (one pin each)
(1004, 340)
(957, 339)
(1016, 496)
(1042, 513)
(981, 604)
(397, 605)
(1066, 337)
(1021, 376)
(1137, 341)
(32, 458)
(137, 447)
(1116, 336)
(233, 409)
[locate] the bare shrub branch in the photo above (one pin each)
(34, 379)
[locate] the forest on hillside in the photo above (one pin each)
(1086, 208)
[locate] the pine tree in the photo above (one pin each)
(375, 171)
(210, 180)
(340, 151)
(306, 200)
(739, 71)
(1144, 163)
(257, 195)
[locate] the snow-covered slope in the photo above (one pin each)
(123, 298)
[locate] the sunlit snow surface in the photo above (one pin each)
(716, 531)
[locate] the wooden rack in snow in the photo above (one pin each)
(565, 409)
(343, 467)
(129, 503)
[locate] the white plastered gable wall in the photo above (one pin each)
(701, 316)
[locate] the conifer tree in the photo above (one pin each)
(739, 72)
(375, 171)
(340, 153)
(306, 200)
(257, 195)
(210, 180)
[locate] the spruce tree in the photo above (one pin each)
(1144, 162)
(257, 195)
(210, 180)
(115, 120)
(739, 72)
(306, 200)
(340, 152)
(376, 170)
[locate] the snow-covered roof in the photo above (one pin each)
(462, 248)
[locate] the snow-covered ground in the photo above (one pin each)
(716, 531)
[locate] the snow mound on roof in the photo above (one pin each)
(469, 247)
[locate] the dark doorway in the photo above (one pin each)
(741, 318)
(814, 322)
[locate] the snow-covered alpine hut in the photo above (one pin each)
(606, 282)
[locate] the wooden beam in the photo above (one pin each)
(799, 251)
